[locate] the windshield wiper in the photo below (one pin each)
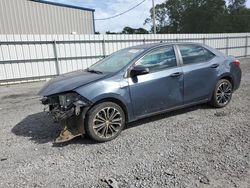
(94, 71)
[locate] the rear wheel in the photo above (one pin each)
(222, 94)
(105, 121)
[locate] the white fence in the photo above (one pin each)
(37, 57)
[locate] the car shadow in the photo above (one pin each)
(41, 128)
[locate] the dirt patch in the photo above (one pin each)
(15, 96)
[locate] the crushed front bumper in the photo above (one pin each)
(71, 119)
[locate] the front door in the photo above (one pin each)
(162, 87)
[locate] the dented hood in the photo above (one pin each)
(69, 81)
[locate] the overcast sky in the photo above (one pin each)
(107, 8)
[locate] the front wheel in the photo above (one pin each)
(105, 121)
(222, 94)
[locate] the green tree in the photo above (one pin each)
(129, 30)
(239, 16)
(201, 16)
(111, 33)
(161, 15)
(236, 5)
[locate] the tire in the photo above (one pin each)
(105, 121)
(222, 94)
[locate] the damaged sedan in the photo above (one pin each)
(138, 82)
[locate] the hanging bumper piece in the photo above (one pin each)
(71, 121)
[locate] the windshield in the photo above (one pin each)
(115, 61)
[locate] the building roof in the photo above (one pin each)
(63, 5)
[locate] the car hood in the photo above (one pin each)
(69, 81)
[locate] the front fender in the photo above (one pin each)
(108, 89)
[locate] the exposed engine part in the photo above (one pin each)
(60, 115)
(78, 105)
(44, 101)
(77, 110)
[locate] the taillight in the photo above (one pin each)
(236, 62)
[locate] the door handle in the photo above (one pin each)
(214, 65)
(176, 74)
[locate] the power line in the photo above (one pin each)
(121, 12)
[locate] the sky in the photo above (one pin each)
(107, 8)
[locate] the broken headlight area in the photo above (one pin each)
(69, 110)
(66, 100)
(65, 105)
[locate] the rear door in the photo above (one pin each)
(162, 87)
(200, 72)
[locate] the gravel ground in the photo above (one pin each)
(194, 147)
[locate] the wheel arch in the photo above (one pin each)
(116, 101)
(227, 77)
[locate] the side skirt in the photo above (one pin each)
(171, 109)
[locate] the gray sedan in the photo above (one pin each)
(138, 82)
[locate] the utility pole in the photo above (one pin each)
(153, 4)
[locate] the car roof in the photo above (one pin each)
(150, 46)
(153, 45)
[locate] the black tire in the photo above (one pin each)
(95, 125)
(222, 94)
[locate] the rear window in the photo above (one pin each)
(195, 54)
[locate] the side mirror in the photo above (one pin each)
(138, 70)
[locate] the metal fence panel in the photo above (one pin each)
(37, 57)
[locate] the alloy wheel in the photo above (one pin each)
(107, 122)
(224, 92)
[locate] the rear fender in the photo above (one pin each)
(224, 75)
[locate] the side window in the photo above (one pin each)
(208, 55)
(159, 59)
(194, 54)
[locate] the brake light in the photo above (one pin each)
(236, 62)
